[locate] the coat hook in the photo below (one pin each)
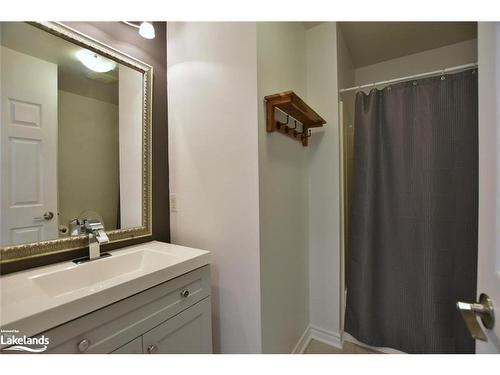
(308, 133)
(280, 124)
(295, 127)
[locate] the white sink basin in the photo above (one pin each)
(35, 300)
(98, 274)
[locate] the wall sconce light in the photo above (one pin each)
(146, 29)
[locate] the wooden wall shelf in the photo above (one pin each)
(291, 104)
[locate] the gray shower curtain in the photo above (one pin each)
(413, 235)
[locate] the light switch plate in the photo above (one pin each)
(173, 202)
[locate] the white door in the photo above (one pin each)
(28, 135)
(489, 177)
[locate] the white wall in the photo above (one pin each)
(243, 193)
(283, 193)
(88, 130)
(345, 66)
(130, 146)
(299, 190)
(434, 59)
(324, 185)
(213, 156)
(345, 76)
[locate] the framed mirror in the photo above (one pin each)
(75, 138)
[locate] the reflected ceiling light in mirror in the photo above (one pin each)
(146, 29)
(95, 62)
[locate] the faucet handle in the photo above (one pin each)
(101, 236)
(92, 225)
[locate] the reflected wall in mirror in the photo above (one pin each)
(72, 137)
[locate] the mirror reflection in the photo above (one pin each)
(71, 137)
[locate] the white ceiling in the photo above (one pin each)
(373, 42)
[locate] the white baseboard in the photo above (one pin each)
(319, 334)
(333, 339)
(326, 337)
(304, 340)
(352, 339)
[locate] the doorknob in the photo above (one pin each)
(484, 310)
(46, 216)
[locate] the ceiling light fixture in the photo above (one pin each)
(95, 62)
(146, 29)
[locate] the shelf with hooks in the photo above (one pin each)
(293, 106)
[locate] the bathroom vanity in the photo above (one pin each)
(150, 298)
(65, 95)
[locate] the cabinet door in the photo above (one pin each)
(189, 332)
(133, 347)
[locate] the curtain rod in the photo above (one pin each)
(408, 78)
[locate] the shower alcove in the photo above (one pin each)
(373, 58)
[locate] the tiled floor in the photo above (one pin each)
(317, 347)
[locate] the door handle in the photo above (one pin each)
(46, 216)
(484, 310)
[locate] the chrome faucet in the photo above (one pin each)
(97, 236)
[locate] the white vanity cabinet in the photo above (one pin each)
(172, 317)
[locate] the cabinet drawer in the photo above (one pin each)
(111, 327)
(189, 332)
(133, 347)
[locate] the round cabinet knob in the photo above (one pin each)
(185, 293)
(152, 349)
(83, 345)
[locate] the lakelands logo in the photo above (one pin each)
(16, 342)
